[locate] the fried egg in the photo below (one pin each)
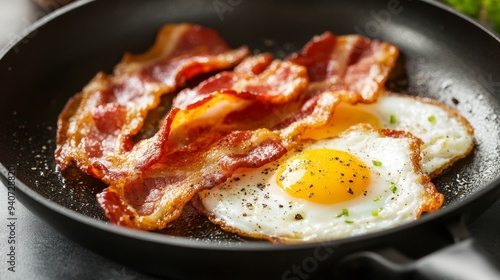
(447, 135)
(361, 181)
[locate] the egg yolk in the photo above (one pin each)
(345, 116)
(323, 176)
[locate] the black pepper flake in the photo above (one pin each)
(311, 195)
(349, 190)
(280, 206)
(455, 101)
(236, 178)
(298, 217)
(351, 181)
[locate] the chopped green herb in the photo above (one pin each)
(376, 163)
(377, 198)
(348, 221)
(432, 119)
(374, 213)
(392, 119)
(345, 212)
(393, 188)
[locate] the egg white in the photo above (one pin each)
(446, 134)
(251, 204)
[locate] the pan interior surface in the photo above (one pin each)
(438, 60)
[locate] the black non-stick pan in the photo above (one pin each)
(443, 55)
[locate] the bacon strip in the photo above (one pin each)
(154, 197)
(271, 81)
(192, 151)
(201, 144)
(151, 199)
(352, 65)
(197, 114)
(242, 118)
(100, 122)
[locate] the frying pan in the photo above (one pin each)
(443, 55)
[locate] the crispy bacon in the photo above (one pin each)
(201, 143)
(241, 118)
(152, 198)
(199, 112)
(272, 81)
(351, 65)
(100, 122)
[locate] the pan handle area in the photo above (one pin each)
(464, 259)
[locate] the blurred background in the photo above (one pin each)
(487, 12)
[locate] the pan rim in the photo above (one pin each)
(75, 5)
(247, 246)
